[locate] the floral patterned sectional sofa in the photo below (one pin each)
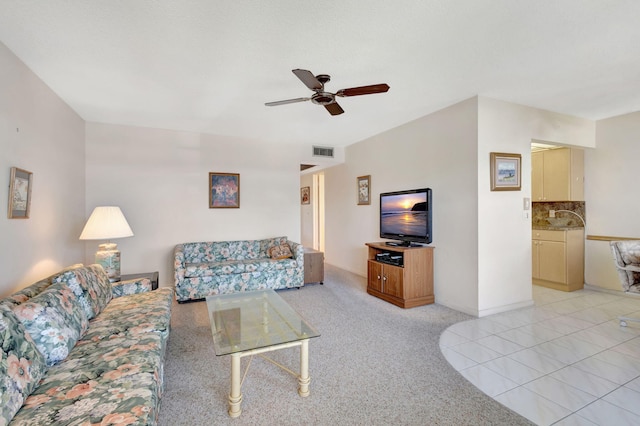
(77, 349)
(220, 267)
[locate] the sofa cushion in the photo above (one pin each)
(210, 269)
(21, 364)
(55, 321)
(133, 315)
(113, 381)
(90, 284)
(282, 251)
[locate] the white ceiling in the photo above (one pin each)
(210, 65)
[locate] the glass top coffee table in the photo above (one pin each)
(251, 323)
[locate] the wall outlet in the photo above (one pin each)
(552, 213)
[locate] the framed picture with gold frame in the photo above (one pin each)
(505, 171)
(305, 195)
(224, 190)
(364, 190)
(20, 183)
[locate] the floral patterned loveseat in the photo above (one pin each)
(77, 349)
(220, 267)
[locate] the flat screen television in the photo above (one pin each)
(405, 216)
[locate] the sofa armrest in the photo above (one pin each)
(297, 250)
(178, 263)
(135, 286)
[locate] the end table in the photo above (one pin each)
(153, 276)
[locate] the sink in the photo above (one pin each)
(559, 221)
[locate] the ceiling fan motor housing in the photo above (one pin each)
(322, 98)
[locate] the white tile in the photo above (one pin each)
(587, 382)
(565, 324)
(489, 326)
(581, 348)
(634, 384)
(558, 352)
(488, 381)
(575, 420)
(457, 360)
(499, 344)
(630, 347)
(569, 306)
(536, 360)
(613, 330)
(592, 315)
(449, 338)
(560, 393)
(588, 335)
(475, 351)
(605, 370)
(625, 398)
(532, 406)
(522, 338)
(542, 333)
(627, 362)
(604, 413)
(469, 329)
(513, 370)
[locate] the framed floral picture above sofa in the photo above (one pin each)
(224, 190)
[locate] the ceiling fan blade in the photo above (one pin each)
(288, 101)
(334, 108)
(363, 90)
(308, 79)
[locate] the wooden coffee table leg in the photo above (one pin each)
(235, 396)
(304, 379)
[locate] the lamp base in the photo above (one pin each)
(108, 256)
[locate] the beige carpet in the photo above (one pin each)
(374, 364)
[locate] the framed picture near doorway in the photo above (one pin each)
(505, 171)
(305, 195)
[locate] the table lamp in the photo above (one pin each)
(107, 223)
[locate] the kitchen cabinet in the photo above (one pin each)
(557, 175)
(558, 258)
(408, 281)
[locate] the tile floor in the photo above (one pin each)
(564, 361)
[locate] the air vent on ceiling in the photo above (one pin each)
(322, 151)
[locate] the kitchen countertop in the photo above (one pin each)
(556, 228)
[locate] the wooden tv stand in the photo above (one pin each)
(405, 278)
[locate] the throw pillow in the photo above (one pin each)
(55, 321)
(282, 251)
(91, 286)
(21, 365)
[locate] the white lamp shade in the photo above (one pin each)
(105, 223)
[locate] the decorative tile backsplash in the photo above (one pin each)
(540, 212)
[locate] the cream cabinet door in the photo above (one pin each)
(552, 261)
(557, 175)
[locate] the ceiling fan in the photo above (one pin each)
(327, 99)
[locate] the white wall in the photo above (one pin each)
(437, 151)
(504, 278)
(613, 199)
(482, 239)
(160, 180)
(41, 134)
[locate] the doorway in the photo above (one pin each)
(318, 211)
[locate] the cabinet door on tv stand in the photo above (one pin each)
(375, 275)
(392, 280)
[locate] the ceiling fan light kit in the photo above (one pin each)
(328, 99)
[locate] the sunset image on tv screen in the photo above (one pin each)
(404, 214)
